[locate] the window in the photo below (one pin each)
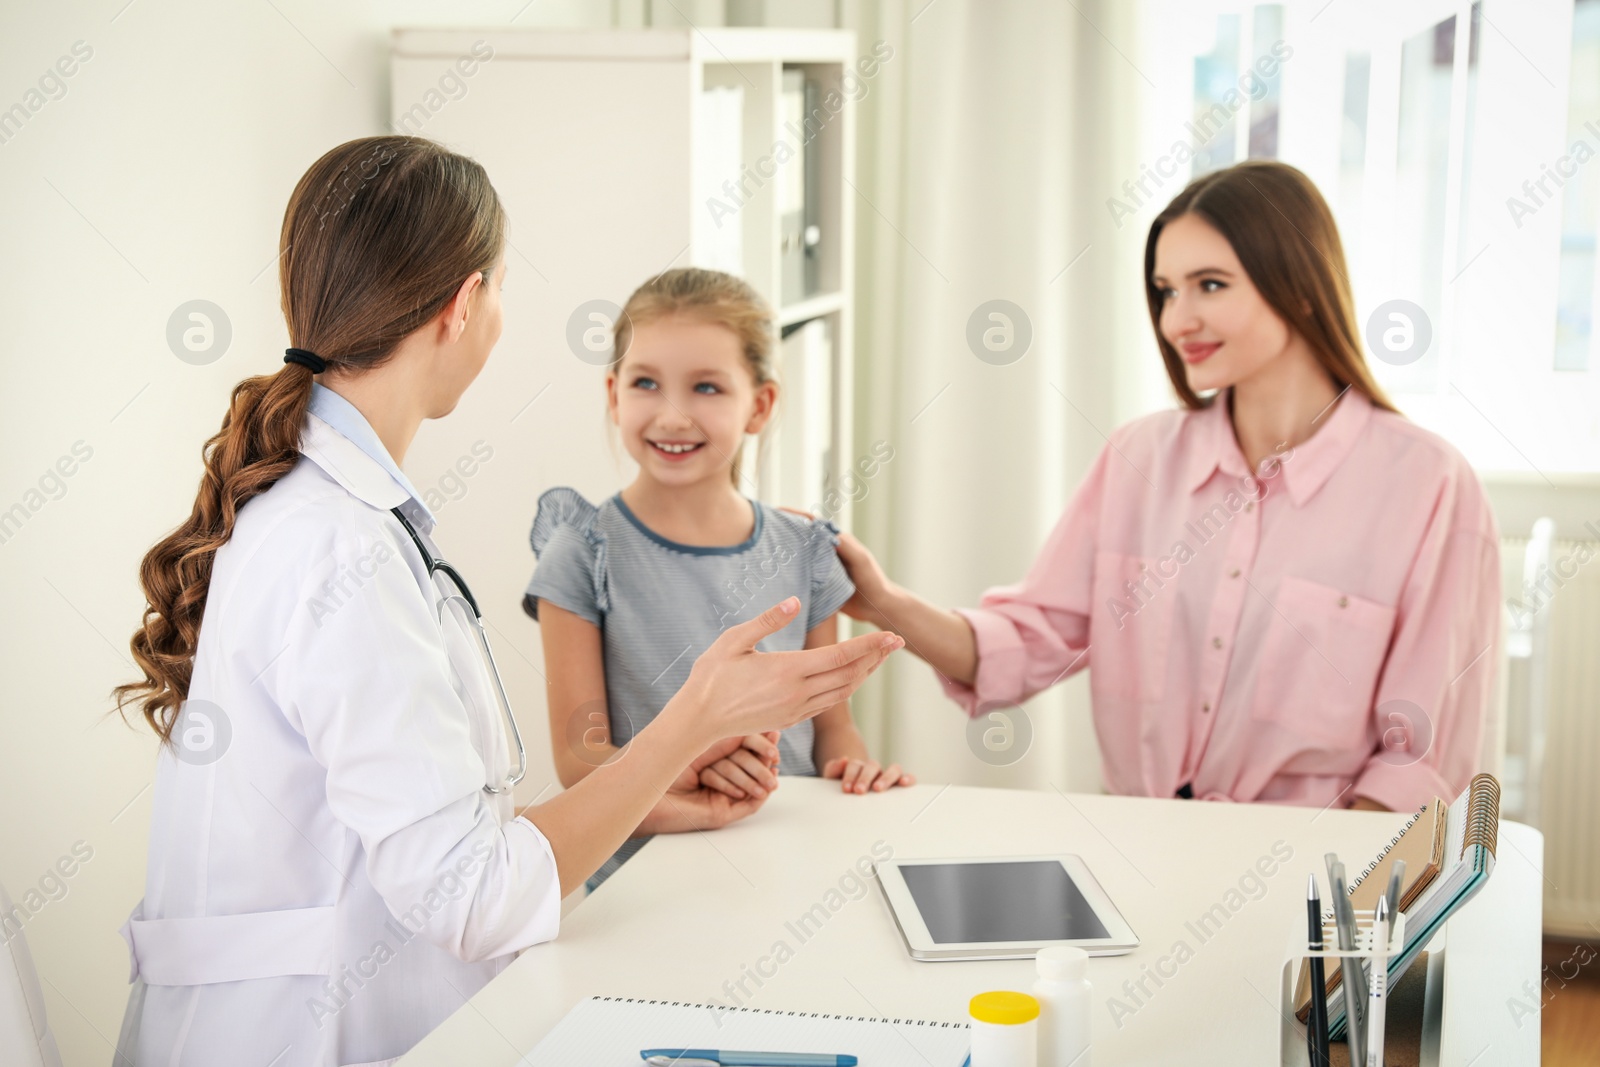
(1222, 87)
(1453, 141)
(1576, 295)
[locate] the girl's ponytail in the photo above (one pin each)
(377, 239)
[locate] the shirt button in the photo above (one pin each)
(1216, 642)
(1234, 573)
(1344, 602)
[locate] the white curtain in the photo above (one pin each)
(988, 146)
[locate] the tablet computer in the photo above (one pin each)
(1001, 907)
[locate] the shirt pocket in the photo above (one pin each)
(1320, 662)
(1130, 627)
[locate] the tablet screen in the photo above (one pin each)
(1026, 900)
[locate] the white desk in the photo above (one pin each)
(694, 911)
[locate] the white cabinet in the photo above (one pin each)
(620, 153)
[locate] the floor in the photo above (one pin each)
(1570, 1022)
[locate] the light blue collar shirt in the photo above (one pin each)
(346, 418)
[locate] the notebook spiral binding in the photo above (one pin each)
(1377, 862)
(1483, 814)
(796, 1014)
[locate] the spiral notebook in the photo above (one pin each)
(1472, 827)
(610, 1032)
(1421, 843)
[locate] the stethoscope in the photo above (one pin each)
(436, 566)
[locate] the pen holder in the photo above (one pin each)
(1292, 1050)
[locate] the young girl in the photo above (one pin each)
(630, 592)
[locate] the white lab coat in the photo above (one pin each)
(337, 882)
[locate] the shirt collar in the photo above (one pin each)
(1304, 468)
(1214, 446)
(340, 440)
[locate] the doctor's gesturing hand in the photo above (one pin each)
(733, 690)
(754, 691)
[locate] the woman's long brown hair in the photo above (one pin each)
(1287, 242)
(378, 236)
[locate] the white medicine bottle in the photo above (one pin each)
(1063, 992)
(1004, 1030)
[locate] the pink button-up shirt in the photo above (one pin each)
(1327, 628)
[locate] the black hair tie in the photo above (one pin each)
(306, 358)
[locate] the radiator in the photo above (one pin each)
(1552, 598)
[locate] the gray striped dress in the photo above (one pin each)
(659, 604)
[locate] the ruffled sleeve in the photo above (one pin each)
(830, 583)
(571, 572)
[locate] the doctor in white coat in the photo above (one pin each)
(335, 864)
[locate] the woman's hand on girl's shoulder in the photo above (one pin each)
(866, 775)
(872, 585)
(873, 589)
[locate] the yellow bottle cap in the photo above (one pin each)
(1005, 1008)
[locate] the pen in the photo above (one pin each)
(1317, 1024)
(1380, 982)
(1354, 987)
(1392, 895)
(698, 1057)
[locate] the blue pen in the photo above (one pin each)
(695, 1057)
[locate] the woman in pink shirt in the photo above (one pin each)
(1283, 591)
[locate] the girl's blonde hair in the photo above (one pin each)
(710, 296)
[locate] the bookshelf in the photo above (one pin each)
(620, 153)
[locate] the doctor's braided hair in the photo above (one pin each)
(377, 239)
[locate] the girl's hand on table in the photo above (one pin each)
(862, 776)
